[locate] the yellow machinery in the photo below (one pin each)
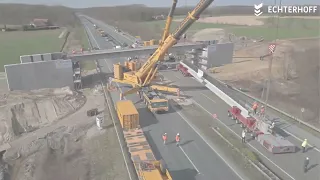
(146, 165)
(144, 161)
(143, 76)
(155, 101)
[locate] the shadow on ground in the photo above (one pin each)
(153, 145)
(174, 107)
(148, 118)
(89, 81)
(192, 88)
(185, 174)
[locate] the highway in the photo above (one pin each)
(195, 159)
(287, 166)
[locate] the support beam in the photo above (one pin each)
(116, 53)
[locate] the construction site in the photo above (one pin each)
(175, 108)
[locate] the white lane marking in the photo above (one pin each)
(194, 166)
(294, 136)
(248, 143)
(195, 130)
(113, 119)
(309, 145)
(177, 77)
(208, 97)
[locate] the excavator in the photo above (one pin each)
(143, 77)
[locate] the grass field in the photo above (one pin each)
(288, 28)
(157, 26)
(80, 34)
(15, 44)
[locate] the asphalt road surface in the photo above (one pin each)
(195, 159)
(287, 166)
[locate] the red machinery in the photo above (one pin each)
(262, 130)
(183, 70)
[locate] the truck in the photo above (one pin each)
(146, 165)
(103, 34)
(262, 129)
(183, 70)
(117, 47)
(155, 101)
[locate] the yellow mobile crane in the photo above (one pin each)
(143, 77)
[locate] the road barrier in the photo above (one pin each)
(224, 91)
(231, 102)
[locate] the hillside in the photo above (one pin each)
(16, 14)
(125, 17)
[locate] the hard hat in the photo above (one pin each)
(305, 139)
(307, 157)
(262, 106)
(165, 133)
(178, 134)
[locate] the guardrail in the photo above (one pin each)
(227, 91)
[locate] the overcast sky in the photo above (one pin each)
(154, 3)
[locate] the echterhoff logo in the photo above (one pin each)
(257, 9)
(285, 9)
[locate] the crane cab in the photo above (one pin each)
(155, 101)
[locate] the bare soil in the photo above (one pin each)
(243, 20)
(23, 112)
(73, 149)
(295, 75)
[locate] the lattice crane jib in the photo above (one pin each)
(138, 79)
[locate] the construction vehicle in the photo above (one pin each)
(103, 34)
(144, 76)
(144, 161)
(262, 129)
(183, 70)
(154, 100)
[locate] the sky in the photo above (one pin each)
(152, 3)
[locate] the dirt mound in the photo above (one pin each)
(295, 76)
(23, 112)
(234, 20)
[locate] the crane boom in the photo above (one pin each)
(145, 74)
(172, 39)
(169, 21)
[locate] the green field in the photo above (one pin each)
(287, 28)
(80, 34)
(15, 44)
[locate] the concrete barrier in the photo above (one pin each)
(217, 91)
(232, 102)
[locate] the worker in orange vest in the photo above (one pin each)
(164, 138)
(178, 139)
(255, 107)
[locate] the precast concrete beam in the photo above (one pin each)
(116, 53)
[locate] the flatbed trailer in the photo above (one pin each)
(262, 130)
(144, 161)
(183, 70)
(146, 165)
